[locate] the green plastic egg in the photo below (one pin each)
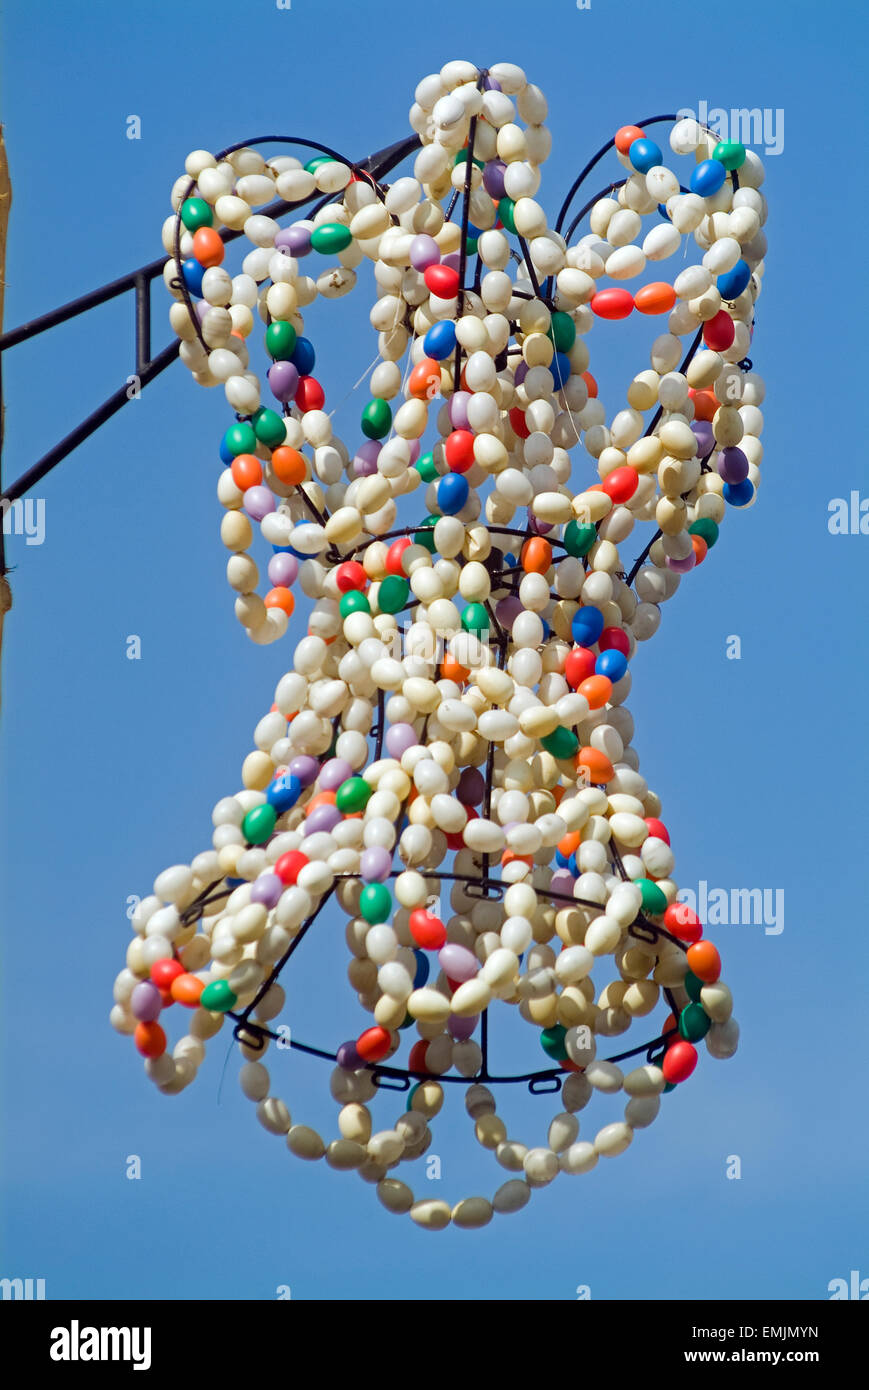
(552, 1042)
(330, 238)
(313, 164)
(352, 795)
(280, 340)
(218, 997)
(376, 419)
(506, 208)
(426, 468)
(475, 619)
(269, 427)
(694, 1022)
(562, 331)
(375, 902)
(654, 901)
(579, 537)
(353, 602)
(393, 594)
(240, 438)
(706, 528)
(730, 153)
(259, 823)
(693, 986)
(561, 743)
(196, 213)
(426, 537)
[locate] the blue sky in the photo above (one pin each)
(111, 766)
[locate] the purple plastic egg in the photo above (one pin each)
(399, 738)
(333, 773)
(283, 569)
(375, 864)
(507, 610)
(296, 239)
(460, 1029)
(732, 465)
(453, 260)
(458, 409)
(424, 251)
(267, 890)
(365, 458)
(493, 178)
(682, 566)
(415, 450)
(348, 1058)
(258, 502)
(283, 380)
(702, 431)
(322, 818)
(520, 373)
(457, 962)
(304, 767)
(146, 1002)
(562, 881)
(471, 787)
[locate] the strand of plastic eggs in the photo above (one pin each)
(544, 711)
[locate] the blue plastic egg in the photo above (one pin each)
(303, 357)
(193, 272)
(284, 792)
(422, 969)
(611, 663)
(738, 494)
(440, 340)
(707, 178)
(644, 155)
(587, 626)
(731, 285)
(453, 492)
(560, 368)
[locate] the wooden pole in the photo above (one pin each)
(5, 205)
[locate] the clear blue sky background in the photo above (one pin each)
(111, 767)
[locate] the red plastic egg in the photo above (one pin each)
(660, 832)
(680, 1059)
(614, 639)
(578, 666)
(350, 575)
(163, 972)
(612, 304)
(416, 1060)
(309, 394)
(621, 484)
(682, 921)
(373, 1044)
(290, 865)
(517, 422)
(459, 451)
(718, 332)
(626, 136)
(427, 930)
(394, 555)
(442, 280)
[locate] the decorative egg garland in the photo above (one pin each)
(497, 714)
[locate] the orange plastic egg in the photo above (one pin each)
(591, 384)
(700, 549)
(570, 844)
(705, 404)
(657, 298)
(596, 763)
(246, 471)
(626, 136)
(424, 382)
(452, 671)
(321, 799)
(289, 465)
(536, 555)
(597, 690)
(704, 961)
(186, 989)
(280, 597)
(208, 248)
(150, 1039)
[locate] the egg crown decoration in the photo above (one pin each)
(458, 702)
